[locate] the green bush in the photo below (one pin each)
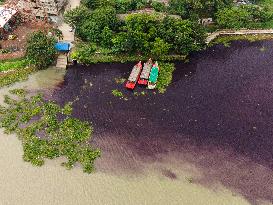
(158, 6)
(40, 50)
(165, 76)
(83, 52)
(160, 47)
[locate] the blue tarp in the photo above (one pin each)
(62, 46)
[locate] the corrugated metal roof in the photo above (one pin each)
(5, 15)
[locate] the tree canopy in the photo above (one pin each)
(40, 49)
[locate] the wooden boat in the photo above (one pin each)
(144, 76)
(132, 80)
(153, 76)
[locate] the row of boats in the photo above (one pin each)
(146, 76)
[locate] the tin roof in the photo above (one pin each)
(62, 46)
(5, 15)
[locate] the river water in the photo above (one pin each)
(207, 140)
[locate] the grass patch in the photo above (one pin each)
(117, 93)
(165, 76)
(13, 64)
(47, 130)
(226, 40)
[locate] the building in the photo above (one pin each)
(7, 20)
(41, 8)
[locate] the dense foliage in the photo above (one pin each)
(144, 34)
(165, 76)
(249, 16)
(199, 8)
(40, 49)
(48, 130)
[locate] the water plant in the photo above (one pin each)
(117, 93)
(47, 130)
(165, 76)
(120, 80)
(15, 76)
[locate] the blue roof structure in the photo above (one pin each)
(62, 46)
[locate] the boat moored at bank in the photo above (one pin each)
(144, 76)
(134, 76)
(153, 76)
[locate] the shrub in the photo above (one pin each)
(158, 6)
(40, 49)
(160, 47)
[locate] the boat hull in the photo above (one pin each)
(130, 85)
(134, 76)
(142, 82)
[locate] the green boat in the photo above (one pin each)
(153, 76)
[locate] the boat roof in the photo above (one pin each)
(62, 46)
(146, 70)
(153, 74)
(5, 15)
(134, 73)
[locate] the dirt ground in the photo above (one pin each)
(19, 43)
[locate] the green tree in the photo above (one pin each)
(76, 17)
(91, 29)
(242, 17)
(40, 49)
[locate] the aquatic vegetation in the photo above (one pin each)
(15, 76)
(117, 93)
(47, 130)
(263, 49)
(165, 76)
(120, 80)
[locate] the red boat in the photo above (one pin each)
(144, 76)
(132, 80)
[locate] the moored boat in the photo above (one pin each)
(134, 76)
(153, 76)
(144, 76)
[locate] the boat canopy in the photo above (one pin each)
(153, 74)
(62, 46)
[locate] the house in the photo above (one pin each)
(41, 8)
(7, 19)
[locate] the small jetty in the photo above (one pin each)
(144, 76)
(132, 80)
(153, 76)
